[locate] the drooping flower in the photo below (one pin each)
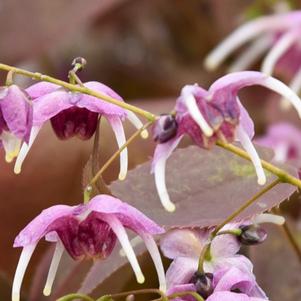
(75, 114)
(15, 119)
(184, 246)
(284, 139)
(211, 115)
(87, 231)
(230, 284)
(277, 35)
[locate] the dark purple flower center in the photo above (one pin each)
(91, 238)
(75, 121)
(165, 128)
(252, 235)
(203, 283)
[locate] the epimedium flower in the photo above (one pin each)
(277, 35)
(87, 231)
(225, 284)
(211, 115)
(15, 119)
(184, 247)
(76, 114)
(284, 139)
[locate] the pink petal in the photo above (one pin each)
(182, 243)
(37, 228)
(228, 296)
(40, 89)
(224, 246)
(181, 271)
(129, 216)
(17, 112)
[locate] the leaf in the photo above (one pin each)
(206, 187)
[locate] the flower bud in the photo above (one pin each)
(252, 235)
(78, 63)
(203, 283)
(165, 128)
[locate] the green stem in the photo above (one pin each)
(289, 235)
(71, 297)
(182, 294)
(88, 188)
(280, 173)
(140, 292)
(235, 232)
(248, 203)
(76, 88)
(206, 250)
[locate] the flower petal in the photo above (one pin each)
(279, 49)
(58, 252)
(20, 271)
(129, 216)
(234, 278)
(11, 145)
(155, 255)
(97, 105)
(246, 143)
(37, 228)
(183, 243)
(181, 271)
(162, 153)
(228, 296)
(120, 232)
(226, 245)
(17, 112)
(40, 89)
(251, 54)
(25, 149)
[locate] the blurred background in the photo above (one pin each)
(144, 50)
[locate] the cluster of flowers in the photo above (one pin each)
(23, 113)
(225, 274)
(278, 35)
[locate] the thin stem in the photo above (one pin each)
(38, 76)
(205, 254)
(280, 173)
(248, 203)
(182, 294)
(235, 232)
(88, 188)
(289, 235)
(75, 296)
(140, 292)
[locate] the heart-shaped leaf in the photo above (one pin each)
(206, 187)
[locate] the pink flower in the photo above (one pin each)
(15, 119)
(75, 114)
(87, 231)
(278, 35)
(210, 115)
(184, 246)
(284, 139)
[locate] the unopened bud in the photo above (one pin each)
(165, 128)
(203, 283)
(252, 235)
(78, 63)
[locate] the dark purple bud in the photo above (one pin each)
(203, 283)
(252, 235)
(78, 63)
(75, 121)
(165, 128)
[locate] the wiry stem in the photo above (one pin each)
(280, 173)
(76, 88)
(290, 237)
(206, 250)
(71, 297)
(88, 188)
(247, 204)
